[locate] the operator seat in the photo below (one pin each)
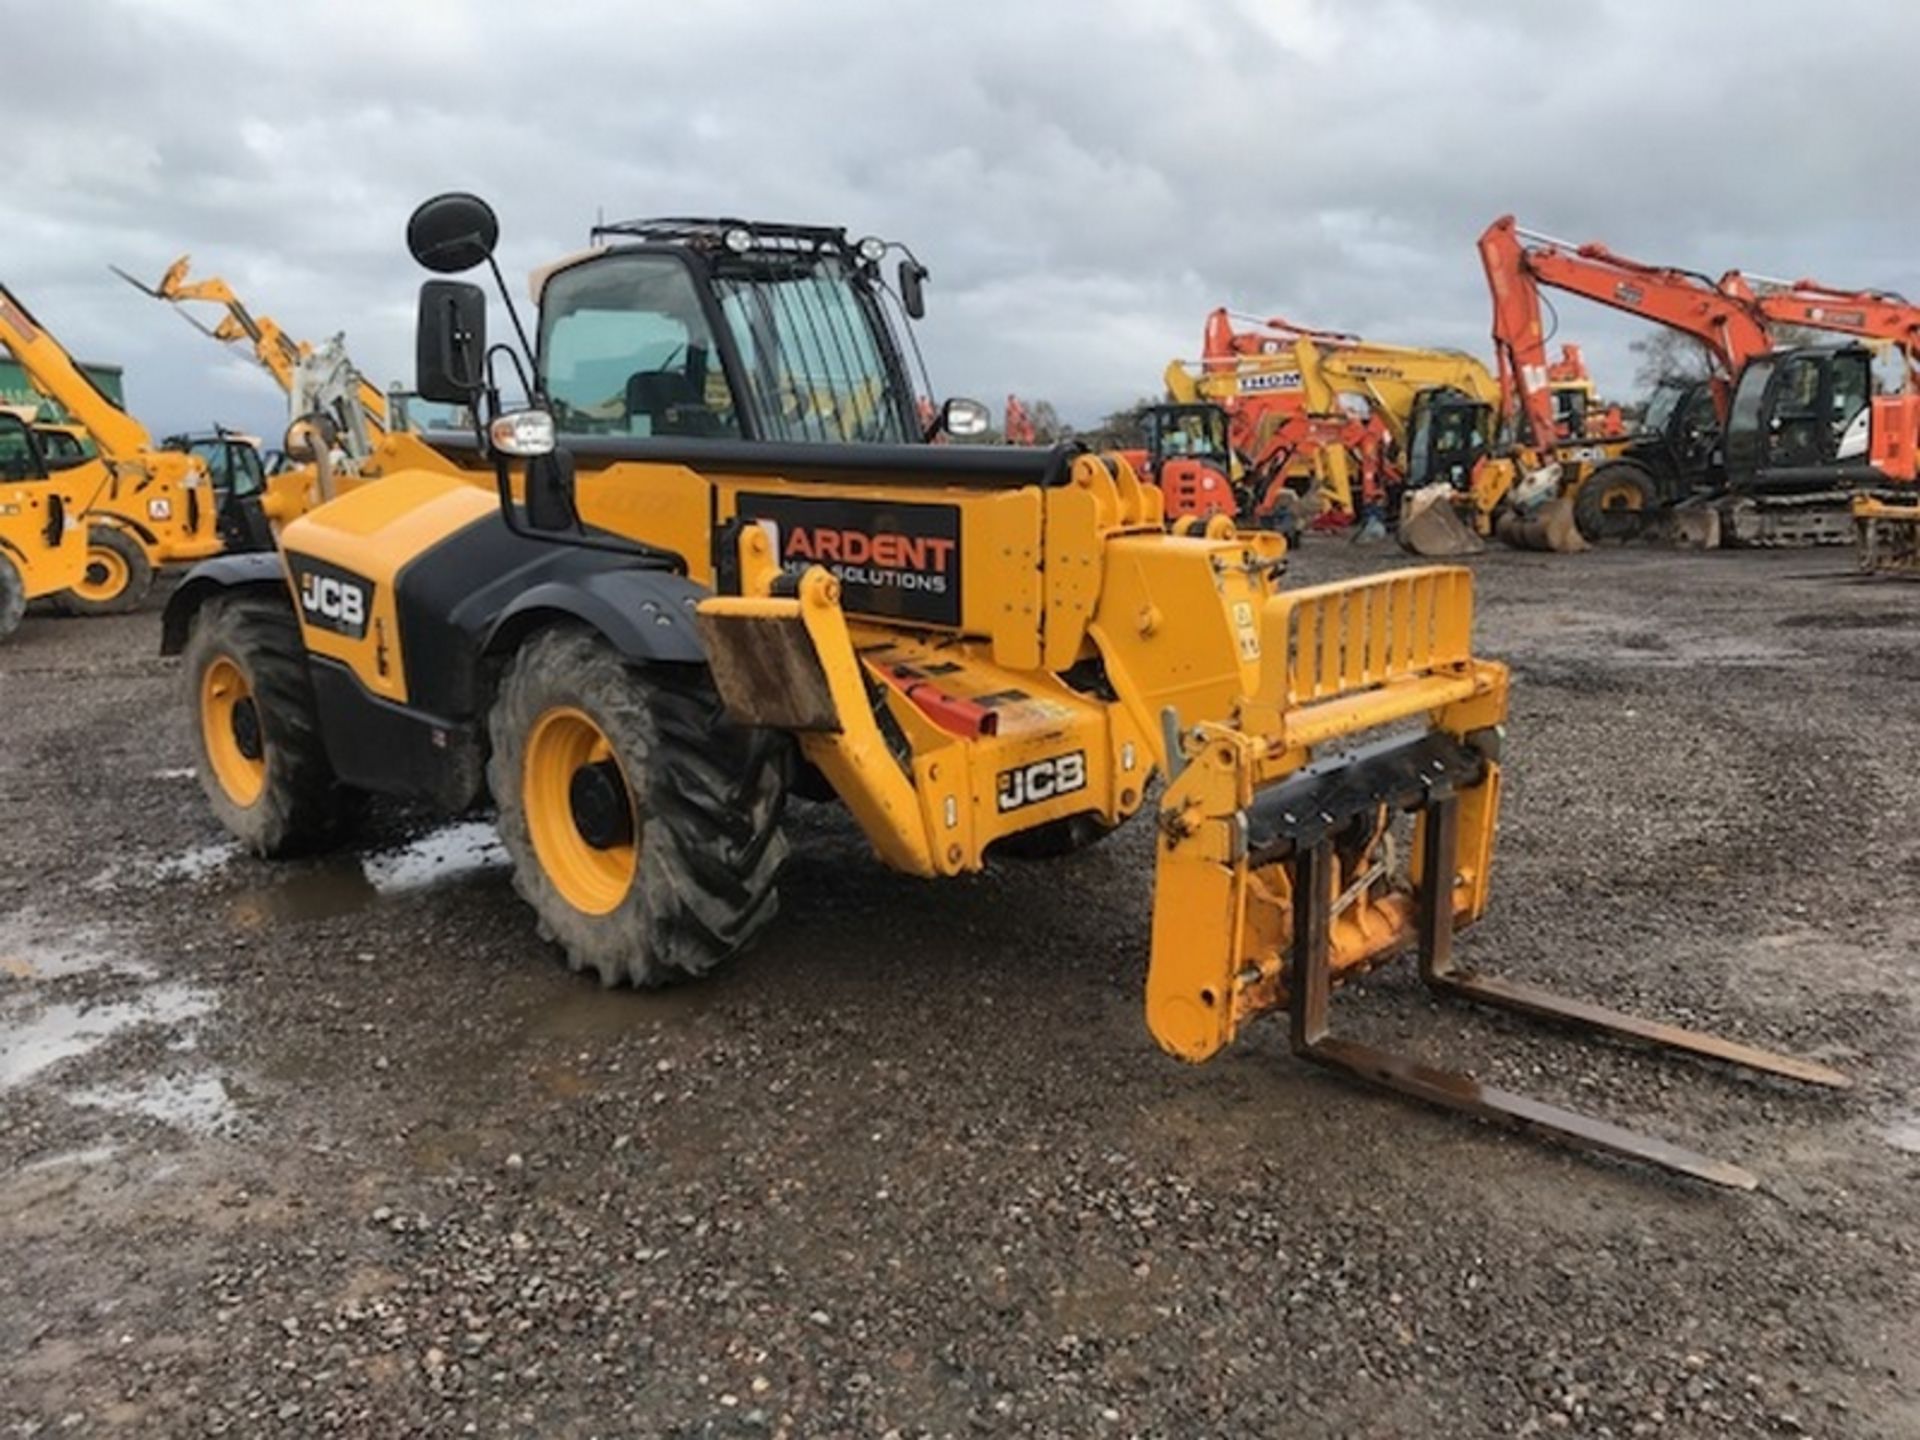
(674, 402)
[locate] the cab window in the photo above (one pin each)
(625, 349)
(19, 459)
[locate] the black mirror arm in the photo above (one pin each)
(513, 313)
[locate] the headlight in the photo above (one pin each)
(522, 432)
(739, 240)
(873, 249)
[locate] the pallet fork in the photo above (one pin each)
(1276, 881)
(1309, 1007)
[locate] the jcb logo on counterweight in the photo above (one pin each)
(1042, 780)
(333, 599)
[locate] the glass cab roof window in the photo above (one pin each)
(625, 349)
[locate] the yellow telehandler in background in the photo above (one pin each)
(157, 507)
(43, 549)
(696, 581)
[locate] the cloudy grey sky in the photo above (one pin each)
(1085, 180)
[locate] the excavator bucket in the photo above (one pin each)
(1694, 526)
(1887, 535)
(1549, 526)
(1279, 873)
(1431, 526)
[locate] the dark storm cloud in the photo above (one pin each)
(1085, 181)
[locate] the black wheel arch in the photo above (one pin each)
(222, 575)
(645, 614)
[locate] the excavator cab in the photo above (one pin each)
(1189, 458)
(1448, 433)
(1800, 421)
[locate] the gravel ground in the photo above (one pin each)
(339, 1147)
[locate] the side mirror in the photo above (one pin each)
(453, 232)
(450, 342)
(913, 295)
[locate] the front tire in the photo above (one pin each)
(1615, 503)
(13, 596)
(256, 728)
(118, 575)
(644, 828)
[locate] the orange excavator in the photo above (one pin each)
(1302, 451)
(1886, 509)
(1615, 488)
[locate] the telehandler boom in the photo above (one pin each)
(701, 578)
(157, 507)
(318, 380)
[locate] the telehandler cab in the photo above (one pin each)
(717, 563)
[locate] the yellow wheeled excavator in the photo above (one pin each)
(157, 507)
(696, 581)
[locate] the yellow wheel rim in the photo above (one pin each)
(106, 575)
(1620, 497)
(230, 730)
(591, 865)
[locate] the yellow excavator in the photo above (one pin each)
(637, 610)
(157, 506)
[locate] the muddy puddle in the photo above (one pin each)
(1904, 1134)
(338, 885)
(348, 883)
(43, 1037)
(44, 1024)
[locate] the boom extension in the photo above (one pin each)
(318, 380)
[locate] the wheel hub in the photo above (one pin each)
(246, 729)
(602, 813)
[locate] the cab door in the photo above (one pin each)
(1815, 399)
(242, 518)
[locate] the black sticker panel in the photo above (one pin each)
(332, 598)
(892, 558)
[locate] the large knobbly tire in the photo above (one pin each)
(644, 828)
(13, 596)
(119, 575)
(256, 728)
(1615, 503)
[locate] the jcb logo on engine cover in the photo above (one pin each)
(1042, 780)
(331, 598)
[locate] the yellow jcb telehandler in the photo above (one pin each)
(699, 580)
(157, 507)
(43, 547)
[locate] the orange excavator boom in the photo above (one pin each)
(1520, 263)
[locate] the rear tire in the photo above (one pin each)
(643, 826)
(256, 729)
(13, 597)
(119, 575)
(1615, 504)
